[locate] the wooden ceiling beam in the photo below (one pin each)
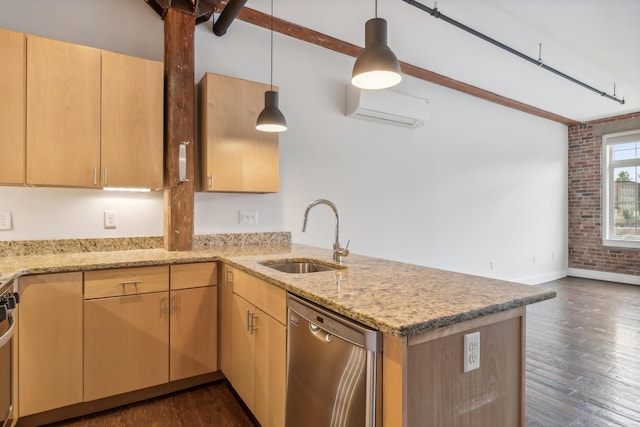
(319, 39)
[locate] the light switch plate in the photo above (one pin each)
(110, 219)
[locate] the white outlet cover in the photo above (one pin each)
(5, 220)
(471, 351)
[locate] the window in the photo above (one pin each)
(621, 224)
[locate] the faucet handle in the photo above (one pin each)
(342, 252)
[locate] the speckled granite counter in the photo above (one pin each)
(395, 298)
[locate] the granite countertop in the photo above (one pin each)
(396, 298)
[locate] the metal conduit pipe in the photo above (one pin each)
(227, 16)
(436, 14)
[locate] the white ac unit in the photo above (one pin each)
(386, 106)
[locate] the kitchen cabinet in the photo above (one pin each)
(63, 113)
(132, 121)
(146, 326)
(126, 330)
(94, 118)
(259, 347)
(235, 157)
(193, 321)
(225, 306)
(50, 342)
(12, 107)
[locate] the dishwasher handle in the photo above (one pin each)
(320, 333)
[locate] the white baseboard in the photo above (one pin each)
(602, 275)
(541, 278)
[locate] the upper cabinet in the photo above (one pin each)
(235, 157)
(132, 121)
(12, 105)
(63, 114)
(94, 118)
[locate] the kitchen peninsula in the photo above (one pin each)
(423, 313)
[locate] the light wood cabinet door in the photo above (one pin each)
(12, 107)
(243, 351)
(132, 121)
(236, 157)
(225, 312)
(126, 344)
(193, 332)
(63, 114)
(185, 276)
(50, 342)
(271, 370)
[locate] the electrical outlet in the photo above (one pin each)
(5, 220)
(248, 217)
(110, 219)
(472, 351)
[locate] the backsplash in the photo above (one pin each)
(47, 247)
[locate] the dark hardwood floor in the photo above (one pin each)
(583, 368)
(583, 356)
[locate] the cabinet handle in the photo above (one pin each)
(229, 277)
(105, 176)
(253, 327)
(249, 314)
(95, 175)
(211, 180)
(175, 303)
(164, 305)
(130, 282)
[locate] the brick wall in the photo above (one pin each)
(585, 198)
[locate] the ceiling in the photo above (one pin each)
(594, 41)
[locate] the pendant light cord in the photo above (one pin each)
(271, 83)
(376, 12)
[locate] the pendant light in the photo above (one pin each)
(376, 67)
(271, 118)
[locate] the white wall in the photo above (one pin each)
(480, 182)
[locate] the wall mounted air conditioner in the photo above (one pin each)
(386, 106)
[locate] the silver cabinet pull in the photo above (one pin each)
(95, 175)
(229, 277)
(253, 324)
(105, 176)
(211, 180)
(249, 321)
(164, 305)
(175, 303)
(130, 282)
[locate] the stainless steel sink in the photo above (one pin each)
(299, 266)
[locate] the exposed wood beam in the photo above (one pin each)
(314, 37)
(179, 52)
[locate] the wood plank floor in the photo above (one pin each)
(583, 356)
(583, 368)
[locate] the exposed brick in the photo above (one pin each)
(585, 187)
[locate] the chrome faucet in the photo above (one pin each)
(338, 252)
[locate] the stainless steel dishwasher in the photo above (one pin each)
(334, 369)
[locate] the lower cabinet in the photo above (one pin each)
(130, 329)
(125, 344)
(50, 342)
(259, 347)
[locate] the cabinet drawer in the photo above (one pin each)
(125, 281)
(267, 297)
(183, 276)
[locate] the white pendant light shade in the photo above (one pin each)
(271, 118)
(377, 67)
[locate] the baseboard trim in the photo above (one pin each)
(541, 278)
(603, 275)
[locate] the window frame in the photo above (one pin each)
(608, 180)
